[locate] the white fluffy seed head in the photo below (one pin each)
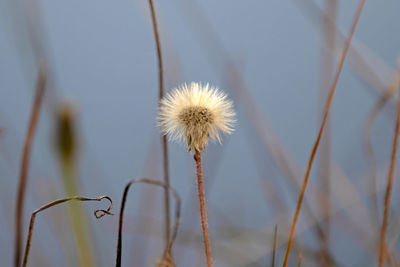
(196, 113)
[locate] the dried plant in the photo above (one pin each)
(371, 117)
(166, 255)
(389, 188)
(19, 210)
(97, 213)
(163, 137)
(322, 127)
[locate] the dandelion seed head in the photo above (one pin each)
(194, 113)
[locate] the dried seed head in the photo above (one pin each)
(66, 136)
(196, 113)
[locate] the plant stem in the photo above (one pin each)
(77, 216)
(163, 137)
(202, 202)
(40, 88)
(321, 130)
(97, 213)
(388, 193)
(122, 209)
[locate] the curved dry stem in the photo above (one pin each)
(163, 137)
(388, 192)
(121, 215)
(321, 130)
(97, 213)
(369, 150)
(33, 120)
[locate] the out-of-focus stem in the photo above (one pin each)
(77, 216)
(19, 209)
(321, 129)
(382, 245)
(67, 147)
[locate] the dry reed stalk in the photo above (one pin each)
(324, 161)
(97, 213)
(203, 212)
(168, 248)
(163, 137)
(371, 117)
(33, 120)
(392, 167)
(321, 130)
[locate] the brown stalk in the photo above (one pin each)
(321, 130)
(202, 202)
(163, 137)
(300, 257)
(97, 213)
(121, 217)
(19, 209)
(392, 167)
(274, 246)
(372, 115)
(324, 161)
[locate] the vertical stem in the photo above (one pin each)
(324, 166)
(202, 202)
(40, 88)
(300, 257)
(77, 216)
(163, 138)
(388, 193)
(274, 246)
(321, 129)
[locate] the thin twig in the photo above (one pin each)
(321, 130)
(163, 137)
(19, 209)
(121, 215)
(203, 212)
(274, 246)
(97, 213)
(388, 193)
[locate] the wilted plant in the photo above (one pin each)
(99, 213)
(193, 114)
(167, 259)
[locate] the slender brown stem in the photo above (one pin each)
(324, 161)
(163, 137)
(321, 130)
(121, 215)
(97, 213)
(274, 246)
(40, 88)
(388, 193)
(300, 258)
(202, 202)
(372, 115)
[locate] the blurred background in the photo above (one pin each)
(275, 59)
